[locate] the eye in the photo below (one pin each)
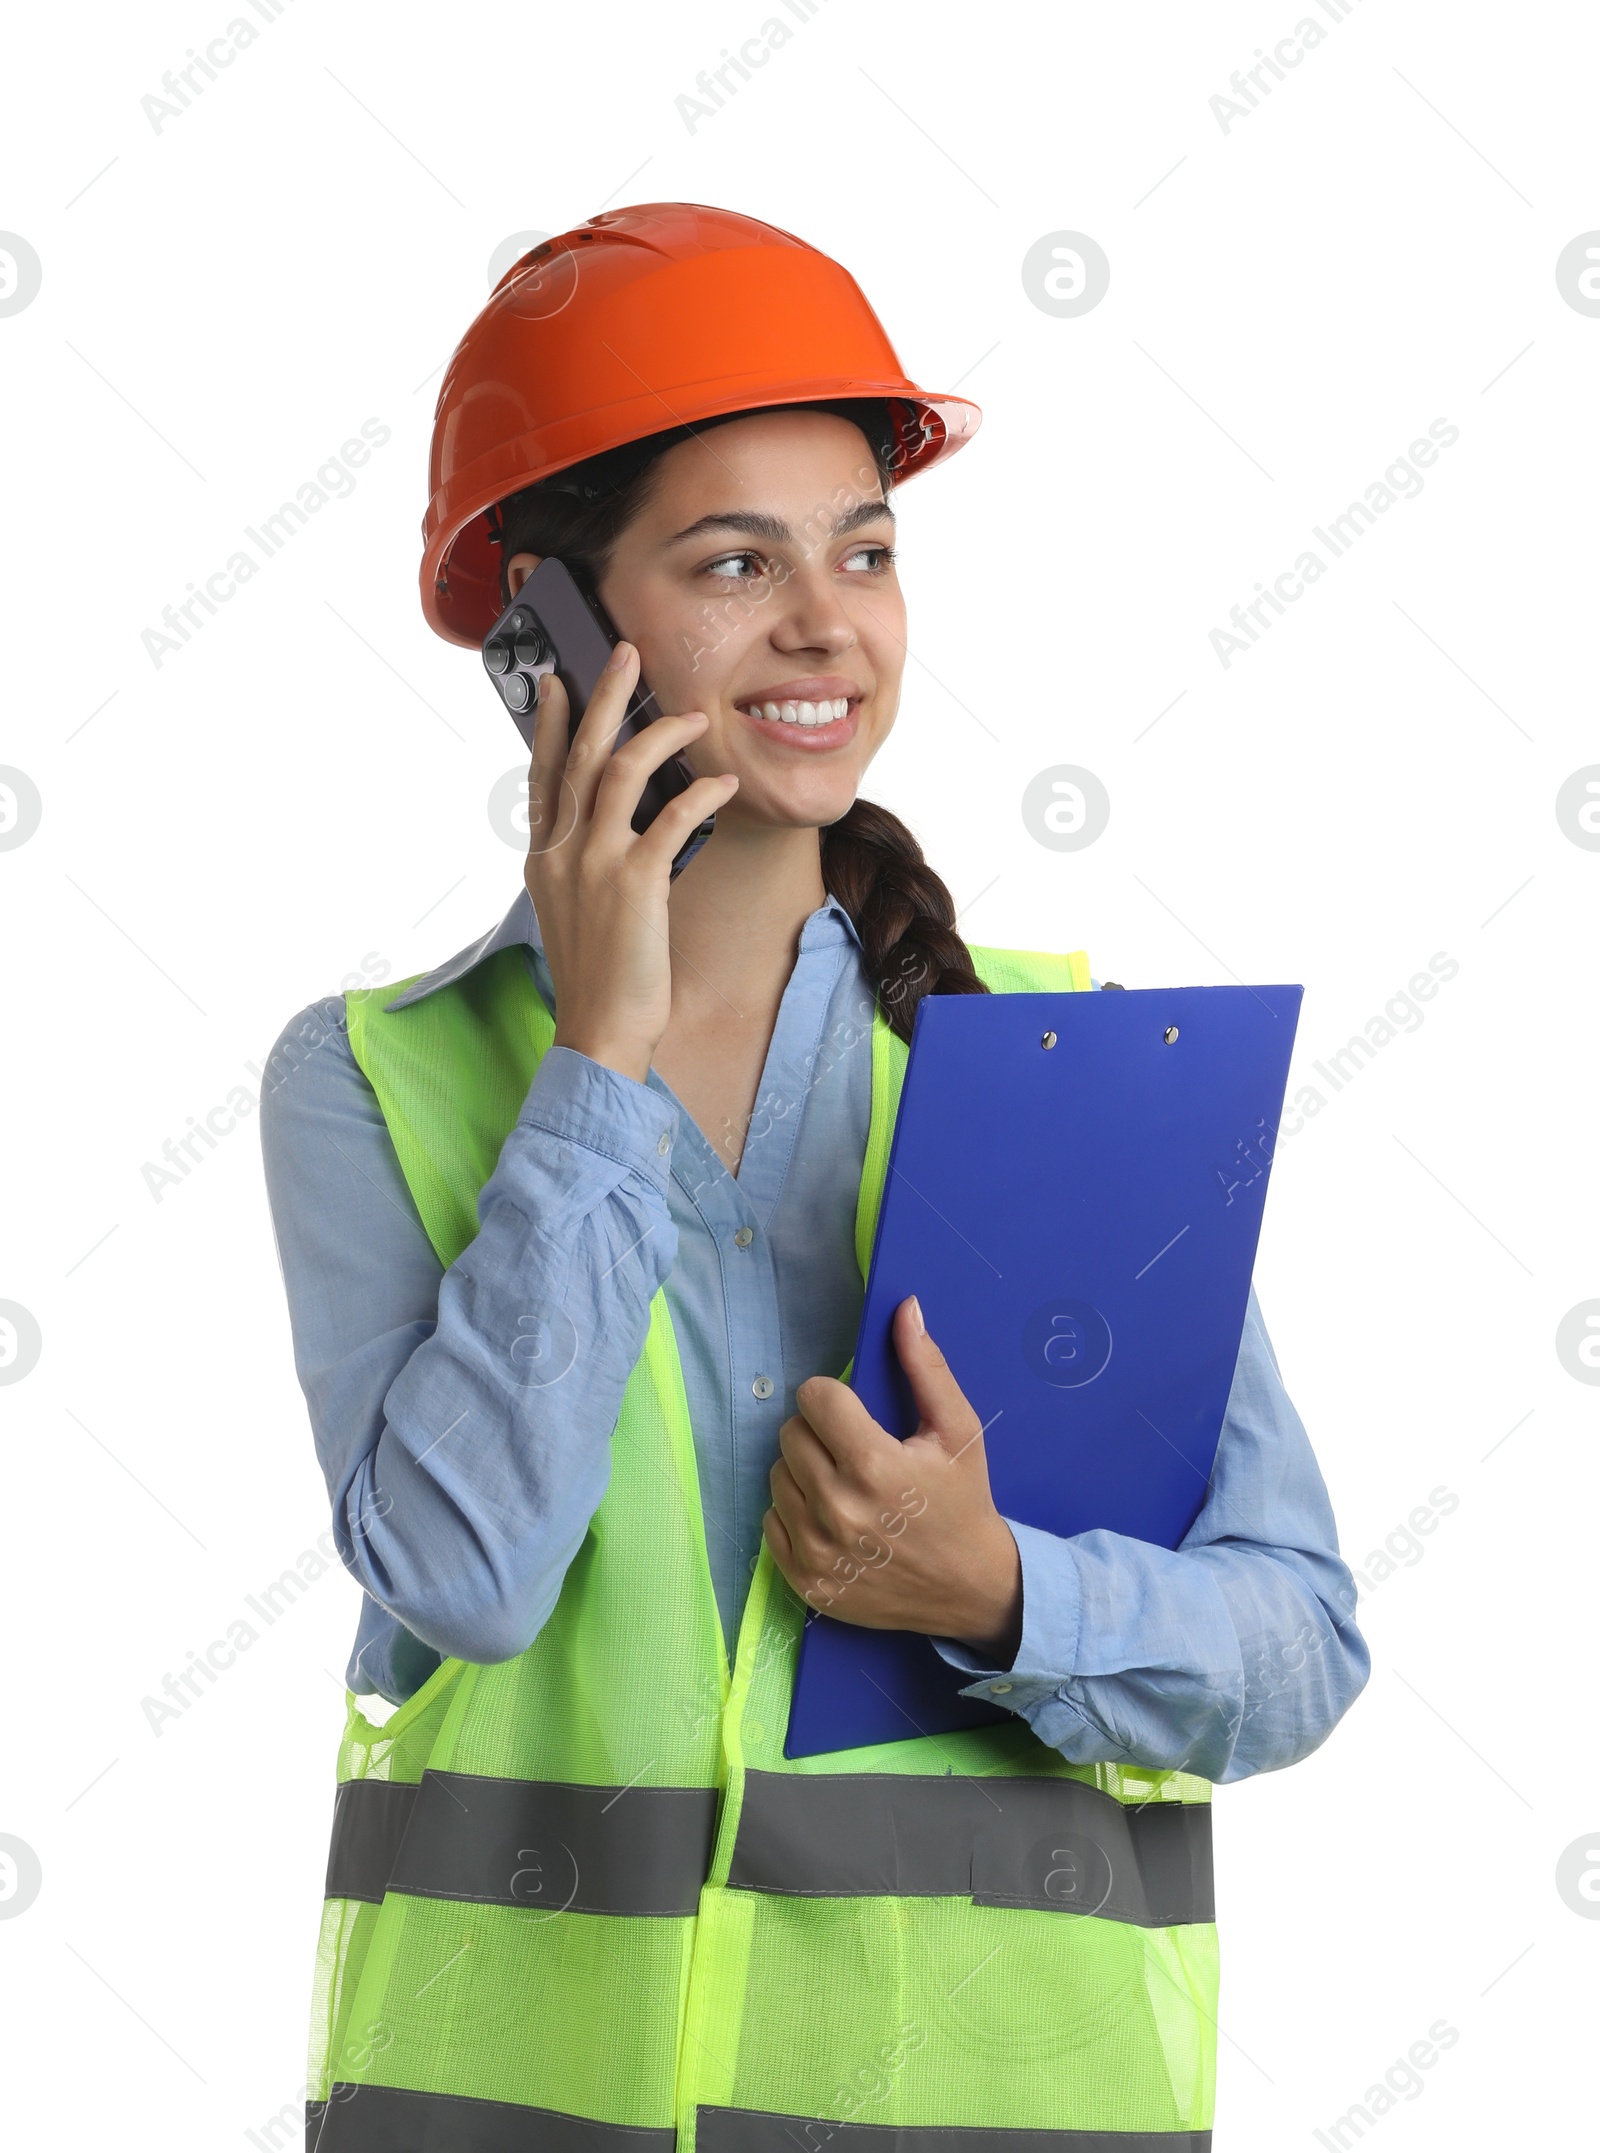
(737, 567)
(877, 560)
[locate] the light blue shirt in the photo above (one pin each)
(463, 1416)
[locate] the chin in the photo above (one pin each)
(802, 806)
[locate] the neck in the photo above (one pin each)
(736, 911)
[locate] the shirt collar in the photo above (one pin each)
(519, 925)
(830, 922)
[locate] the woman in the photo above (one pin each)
(572, 1231)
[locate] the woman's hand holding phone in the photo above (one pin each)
(599, 888)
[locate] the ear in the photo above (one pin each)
(519, 568)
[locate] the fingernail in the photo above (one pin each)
(541, 692)
(618, 659)
(916, 1317)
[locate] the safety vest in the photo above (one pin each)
(581, 1902)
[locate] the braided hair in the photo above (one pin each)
(902, 911)
(871, 863)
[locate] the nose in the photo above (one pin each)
(811, 615)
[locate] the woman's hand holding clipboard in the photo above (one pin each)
(896, 1534)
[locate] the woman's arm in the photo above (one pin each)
(1233, 1654)
(462, 1417)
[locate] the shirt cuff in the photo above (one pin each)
(1052, 1615)
(583, 1102)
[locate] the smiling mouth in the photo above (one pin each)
(827, 711)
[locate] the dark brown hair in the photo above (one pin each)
(871, 863)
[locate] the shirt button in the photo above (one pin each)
(999, 1689)
(663, 1143)
(763, 1386)
(744, 1237)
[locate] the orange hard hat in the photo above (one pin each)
(640, 320)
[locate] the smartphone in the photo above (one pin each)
(554, 626)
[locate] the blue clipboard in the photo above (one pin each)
(1079, 1221)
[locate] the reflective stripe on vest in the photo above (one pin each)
(1053, 1844)
(379, 2119)
(580, 1899)
(1047, 1843)
(515, 1842)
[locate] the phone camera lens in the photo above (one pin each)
(517, 690)
(530, 648)
(517, 620)
(496, 657)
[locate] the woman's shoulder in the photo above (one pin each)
(312, 1057)
(304, 1038)
(334, 1184)
(311, 1077)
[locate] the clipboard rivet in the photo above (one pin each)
(1170, 1034)
(1048, 1040)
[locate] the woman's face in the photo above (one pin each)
(758, 583)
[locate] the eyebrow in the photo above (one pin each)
(754, 523)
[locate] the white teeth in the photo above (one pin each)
(793, 713)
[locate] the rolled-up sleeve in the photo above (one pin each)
(1232, 1654)
(462, 1414)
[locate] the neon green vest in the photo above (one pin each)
(580, 1902)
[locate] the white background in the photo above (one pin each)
(229, 834)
